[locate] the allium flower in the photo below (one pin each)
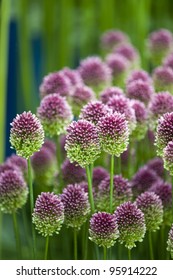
(13, 191)
(159, 43)
(168, 61)
(99, 174)
(168, 157)
(26, 134)
(113, 133)
(119, 66)
(8, 166)
(131, 224)
(122, 105)
(50, 145)
(56, 82)
(141, 115)
(72, 172)
(143, 180)
(129, 52)
(151, 205)
(164, 191)
(95, 73)
(55, 114)
(76, 205)
(164, 132)
(73, 76)
(94, 111)
(81, 96)
(103, 229)
(163, 78)
(48, 214)
(136, 75)
(121, 192)
(140, 90)
(160, 104)
(17, 161)
(113, 38)
(82, 142)
(156, 164)
(170, 241)
(110, 92)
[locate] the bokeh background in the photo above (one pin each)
(41, 36)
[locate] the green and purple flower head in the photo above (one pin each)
(168, 157)
(170, 241)
(110, 92)
(26, 134)
(48, 214)
(163, 78)
(113, 38)
(136, 75)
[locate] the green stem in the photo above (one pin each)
(31, 205)
(59, 162)
(75, 244)
(111, 182)
(1, 235)
(46, 247)
(150, 245)
(104, 253)
(119, 171)
(17, 237)
(129, 254)
(85, 240)
(90, 189)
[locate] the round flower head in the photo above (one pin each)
(131, 224)
(143, 180)
(73, 76)
(160, 104)
(136, 75)
(72, 172)
(141, 119)
(156, 164)
(48, 214)
(160, 42)
(50, 145)
(103, 229)
(26, 134)
(113, 38)
(82, 142)
(94, 111)
(119, 66)
(168, 157)
(13, 191)
(76, 205)
(121, 192)
(122, 105)
(56, 82)
(55, 114)
(81, 96)
(164, 132)
(168, 61)
(170, 241)
(110, 92)
(95, 73)
(163, 78)
(151, 205)
(113, 133)
(140, 90)
(8, 166)
(18, 162)
(99, 174)
(129, 52)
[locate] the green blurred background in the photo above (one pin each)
(40, 36)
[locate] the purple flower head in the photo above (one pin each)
(17, 161)
(164, 191)
(122, 105)
(121, 192)
(9, 166)
(164, 132)
(95, 73)
(56, 82)
(82, 142)
(136, 75)
(13, 191)
(156, 164)
(99, 174)
(55, 114)
(141, 115)
(143, 180)
(103, 229)
(168, 61)
(73, 76)
(26, 134)
(110, 92)
(94, 111)
(80, 97)
(113, 133)
(160, 104)
(131, 224)
(41, 161)
(50, 145)
(48, 214)
(72, 172)
(113, 38)
(163, 78)
(129, 52)
(170, 241)
(140, 90)
(76, 205)
(151, 205)
(168, 157)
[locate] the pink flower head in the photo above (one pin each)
(163, 78)
(113, 38)
(110, 92)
